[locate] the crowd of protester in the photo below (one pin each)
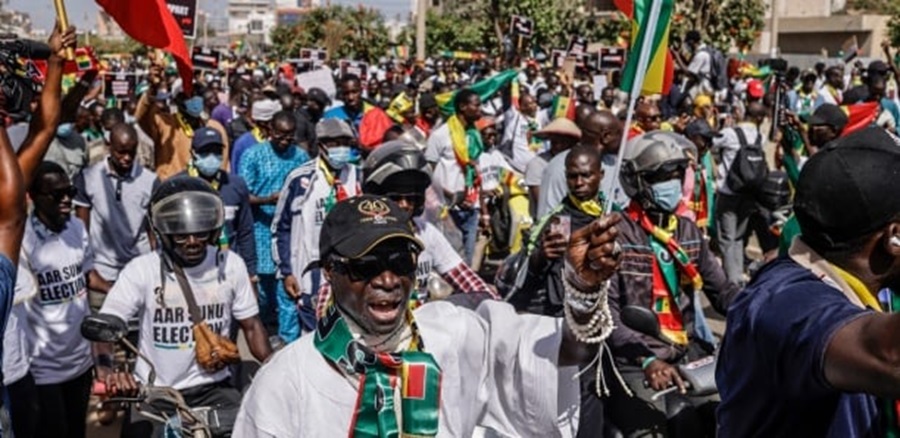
(496, 163)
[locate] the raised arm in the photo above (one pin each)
(12, 200)
(43, 127)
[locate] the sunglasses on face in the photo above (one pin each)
(183, 238)
(370, 266)
(59, 194)
(412, 198)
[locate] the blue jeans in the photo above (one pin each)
(467, 222)
(277, 309)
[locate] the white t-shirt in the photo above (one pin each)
(60, 263)
(499, 370)
(16, 347)
(438, 255)
(491, 164)
(447, 175)
(222, 289)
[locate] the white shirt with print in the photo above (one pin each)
(492, 165)
(60, 263)
(223, 292)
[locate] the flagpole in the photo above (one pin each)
(636, 86)
(63, 19)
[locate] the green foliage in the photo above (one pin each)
(346, 32)
(109, 45)
(722, 23)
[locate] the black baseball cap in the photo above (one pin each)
(844, 191)
(828, 114)
(206, 137)
(700, 127)
(357, 225)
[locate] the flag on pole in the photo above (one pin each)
(859, 116)
(150, 22)
(661, 69)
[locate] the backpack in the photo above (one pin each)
(749, 170)
(718, 68)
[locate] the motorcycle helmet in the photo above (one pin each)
(397, 167)
(186, 205)
(648, 154)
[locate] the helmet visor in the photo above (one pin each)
(188, 213)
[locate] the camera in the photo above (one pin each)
(779, 104)
(19, 77)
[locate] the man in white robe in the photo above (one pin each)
(370, 368)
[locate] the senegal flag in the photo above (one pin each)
(485, 90)
(562, 107)
(661, 70)
(859, 116)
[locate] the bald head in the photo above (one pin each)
(603, 131)
(582, 113)
(123, 133)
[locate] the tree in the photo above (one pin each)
(722, 23)
(344, 31)
(882, 7)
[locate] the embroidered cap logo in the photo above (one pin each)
(376, 210)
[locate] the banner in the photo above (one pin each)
(185, 13)
(577, 45)
(611, 58)
(357, 68)
(205, 58)
(520, 25)
(119, 85)
(318, 57)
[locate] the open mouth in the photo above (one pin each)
(385, 310)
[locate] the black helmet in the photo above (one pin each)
(647, 154)
(186, 205)
(396, 167)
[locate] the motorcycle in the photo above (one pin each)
(685, 417)
(699, 376)
(186, 422)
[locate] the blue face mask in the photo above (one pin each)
(340, 156)
(667, 194)
(208, 164)
(64, 130)
(194, 106)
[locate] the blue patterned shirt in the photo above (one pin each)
(265, 170)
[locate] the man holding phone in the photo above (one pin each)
(542, 292)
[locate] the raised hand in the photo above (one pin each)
(593, 253)
(61, 40)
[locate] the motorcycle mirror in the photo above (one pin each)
(103, 328)
(641, 319)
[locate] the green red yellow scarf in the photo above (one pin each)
(666, 280)
(467, 147)
(703, 199)
(413, 375)
(337, 193)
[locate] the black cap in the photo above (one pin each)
(204, 137)
(844, 191)
(829, 114)
(357, 225)
(700, 127)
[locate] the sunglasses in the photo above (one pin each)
(59, 194)
(412, 198)
(370, 266)
(183, 238)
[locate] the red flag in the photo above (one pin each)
(151, 23)
(860, 115)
